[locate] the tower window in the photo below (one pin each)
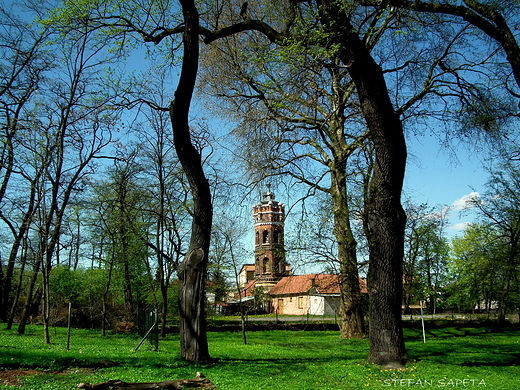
(257, 239)
(266, 265)
(265, 234)
(276, 234)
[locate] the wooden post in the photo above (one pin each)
(422, 321)
(68, 326)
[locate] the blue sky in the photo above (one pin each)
(439, 177)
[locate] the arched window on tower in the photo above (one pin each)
(257, 239)
(265, 265)
(276, 236)
(265, 234)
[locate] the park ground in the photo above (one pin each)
(453, 357)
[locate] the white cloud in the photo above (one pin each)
(463, 202)
(459, 226)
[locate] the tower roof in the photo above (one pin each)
(268, 197)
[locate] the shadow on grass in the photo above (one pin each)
(15, 359)
(29, 361)
(470, 347)
(514, 362)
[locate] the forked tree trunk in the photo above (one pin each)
(386, 216)
(192, 271)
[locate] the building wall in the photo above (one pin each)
(304, 304)
(247, 273)
(324, 305)
(291, 305)
(331, 306)
(317, 305)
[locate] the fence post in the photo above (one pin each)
(68, 326)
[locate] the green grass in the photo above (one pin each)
(452, 358)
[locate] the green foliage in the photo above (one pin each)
(84, 289)
(271, 360)
(120, 26)
(261, 299)
(426, 254)
(475, 267)
(65, 285)
(485, 264)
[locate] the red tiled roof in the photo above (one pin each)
(363, 285)
(250, 288)
(324, 284)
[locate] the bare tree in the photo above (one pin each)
(169, 208)
(22, 70)
(76, 130)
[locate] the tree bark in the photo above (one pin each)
(21, 277)
(5, 284)
(29, 300)
(506, 284)
(386, 217)
(106, 292)
(352, 323)
(192, 271)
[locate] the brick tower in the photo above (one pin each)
(270, 265)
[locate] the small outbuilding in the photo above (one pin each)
(314, 294)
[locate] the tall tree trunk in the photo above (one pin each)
(192, 270)
(29, 300)
(18, 237)
(105, 294)
(161, 271)
(124, 252)
(6, 282)
(506, 284)
(164, 309)
(46, 309)
(129, 297)
(351, 310)
(386, 216)
(14, 304)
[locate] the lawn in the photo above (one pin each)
(451, 358)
